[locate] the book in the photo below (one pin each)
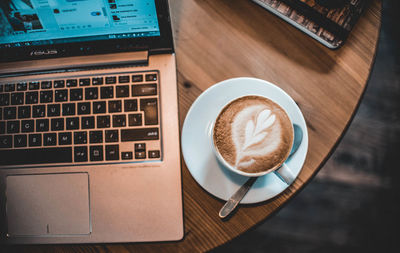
(329, 26)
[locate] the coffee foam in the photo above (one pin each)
(253, 134)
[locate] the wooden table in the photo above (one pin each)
(220, 39)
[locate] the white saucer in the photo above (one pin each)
(197, 142)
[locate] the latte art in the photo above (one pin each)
(253, 134)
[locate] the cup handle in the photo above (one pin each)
(285, 174)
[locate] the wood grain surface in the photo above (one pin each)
(220, 39)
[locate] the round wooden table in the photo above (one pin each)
(221, 39)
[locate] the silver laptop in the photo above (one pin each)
(89, 139)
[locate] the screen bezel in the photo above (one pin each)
(157, 44)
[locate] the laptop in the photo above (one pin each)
(89, 133)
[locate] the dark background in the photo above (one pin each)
(353, 204)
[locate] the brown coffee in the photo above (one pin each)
(253, 134)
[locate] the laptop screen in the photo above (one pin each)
(41, 22)
(93, 25)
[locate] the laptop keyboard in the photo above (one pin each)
(82, 120)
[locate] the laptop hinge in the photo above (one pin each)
(74, 63)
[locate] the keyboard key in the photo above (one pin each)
(103, 121)
(122, 91)
(57, 124)
(84, 108)
(34, 85)
(59, 84)
(13, 127)
(126, 155)
(97, 80)
(141, 134)
(68, 109)
(80, 154)
(9, 87)
(1, 88)
(150, 109)
(151, 77)
(2, 127)
(46, 84)
(10, 113)
(84, 82)
(22, 86)
(65, 138)
(42, 125)
(96, 136)
(5, 142)
(75, 94)
(154, 153)
(38, 111)
(17, 98)
(32, 97)
(20, 140)
(140, 155)
(111, 136)
(114, 106)
(72, 123)
(130, 105)
(87, 122)
(112, 152)
(111, 79)
(61, 95)
(96, 153)
(140, 147)
(91, 93)
(46, 96)
(144, 90)
(80, 138)
(4, 99)
(137, 78)
(27, 126)
(135, 119)
(107, 92)
(123, 79)
(72, 83)
(99, 107)
(50, 139)
(119, 120)
(53, 110)
(35, 156)
(35, 140)
(24, 112)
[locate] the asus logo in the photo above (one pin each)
(44, 52)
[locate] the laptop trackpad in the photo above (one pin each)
(48, 204)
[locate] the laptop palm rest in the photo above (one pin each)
(48, 205)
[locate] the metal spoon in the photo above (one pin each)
(232, 203)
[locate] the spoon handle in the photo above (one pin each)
(232, 203)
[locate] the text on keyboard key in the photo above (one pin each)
(80, 154)
(112, 152)
(24, 112)
(111, 136)
(150, 109)
(5, 141)
(65, 138)
(38, 111)
(141, 134)
(144, 89)
(35, 140)
(20, 140)
(96, 153)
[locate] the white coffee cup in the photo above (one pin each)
(280, 169)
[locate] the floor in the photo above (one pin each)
(353, 204)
